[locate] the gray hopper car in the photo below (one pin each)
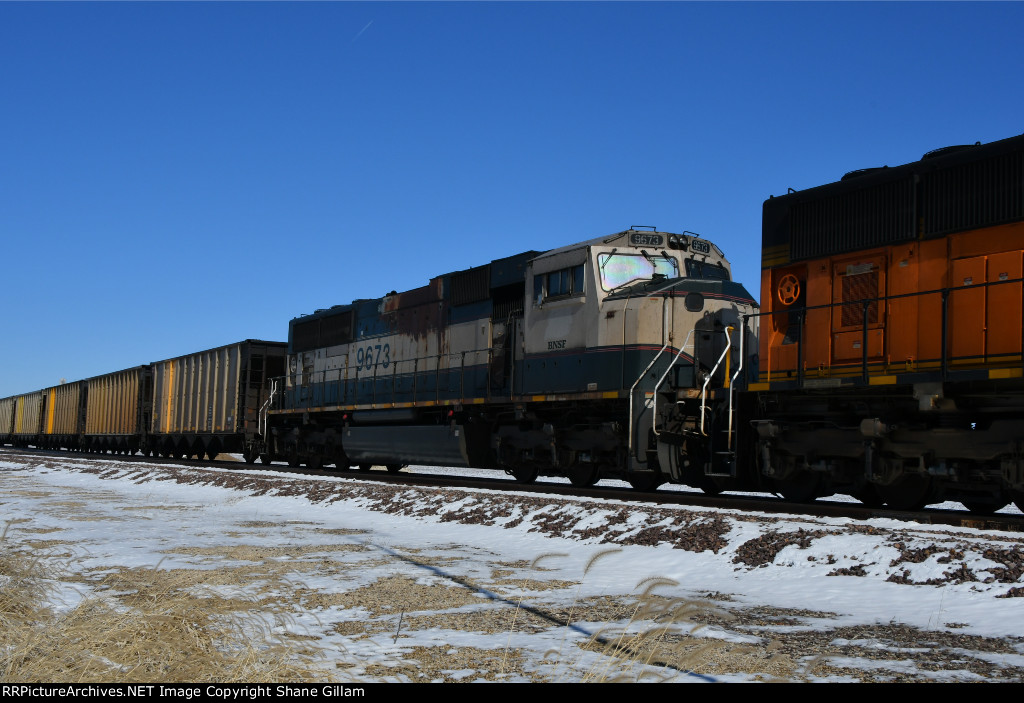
(209, 402)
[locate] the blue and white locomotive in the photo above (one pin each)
(614, 357)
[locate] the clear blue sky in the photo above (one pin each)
(177, 176)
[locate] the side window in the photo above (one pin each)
(563, 283)
(558, 283)
(702, 269)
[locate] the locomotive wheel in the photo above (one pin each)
(526, 474)
(250, 456)
(704, 483)
(583, 475)
(802, 489)
(293, 457)
(868, 495)
(646, 480)
(980, 508)
(394, 468)
(265, 458)
(315, 462)
(365, 467)
(912, 492)
(1018, 499)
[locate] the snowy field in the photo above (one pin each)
(393, 583)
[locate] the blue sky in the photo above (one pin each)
(177, 176)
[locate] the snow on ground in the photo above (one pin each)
(1010, 509)
(399, 583)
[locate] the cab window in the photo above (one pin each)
(702, 269)
(563, 283)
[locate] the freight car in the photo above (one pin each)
(20, 416)
(7, 411)
(609, 358)
(63, 416)
(117, 406)
(199, 405)
(891, 328)
(209, 402)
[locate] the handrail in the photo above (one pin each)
(664, 325)
(732, 382)
(711, 374)
(657, 386)
(342, 379)
(262, 424)
(944, 294)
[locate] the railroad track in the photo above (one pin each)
(1006, 522)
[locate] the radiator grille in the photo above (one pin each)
(305, 335)
(336, 329)
(865, 218)
(968, 196)
(471, 286)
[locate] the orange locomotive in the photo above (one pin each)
(891, 333)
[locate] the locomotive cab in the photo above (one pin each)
(649, 323)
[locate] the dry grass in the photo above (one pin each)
(193, 625)
(662, 640)
(139, 626)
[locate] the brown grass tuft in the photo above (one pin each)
(140, 625)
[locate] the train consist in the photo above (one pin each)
(884, 360)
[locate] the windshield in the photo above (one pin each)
(619, 269)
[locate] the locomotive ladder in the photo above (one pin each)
(729, 453)
(730, 384)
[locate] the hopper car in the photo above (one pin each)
(198, 404)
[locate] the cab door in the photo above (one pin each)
(985, 320)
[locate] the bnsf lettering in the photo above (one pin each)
(557, 344)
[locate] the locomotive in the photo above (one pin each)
(608, 358)
(884, 360)
(891, 328)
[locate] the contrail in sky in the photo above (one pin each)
(362, 30)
